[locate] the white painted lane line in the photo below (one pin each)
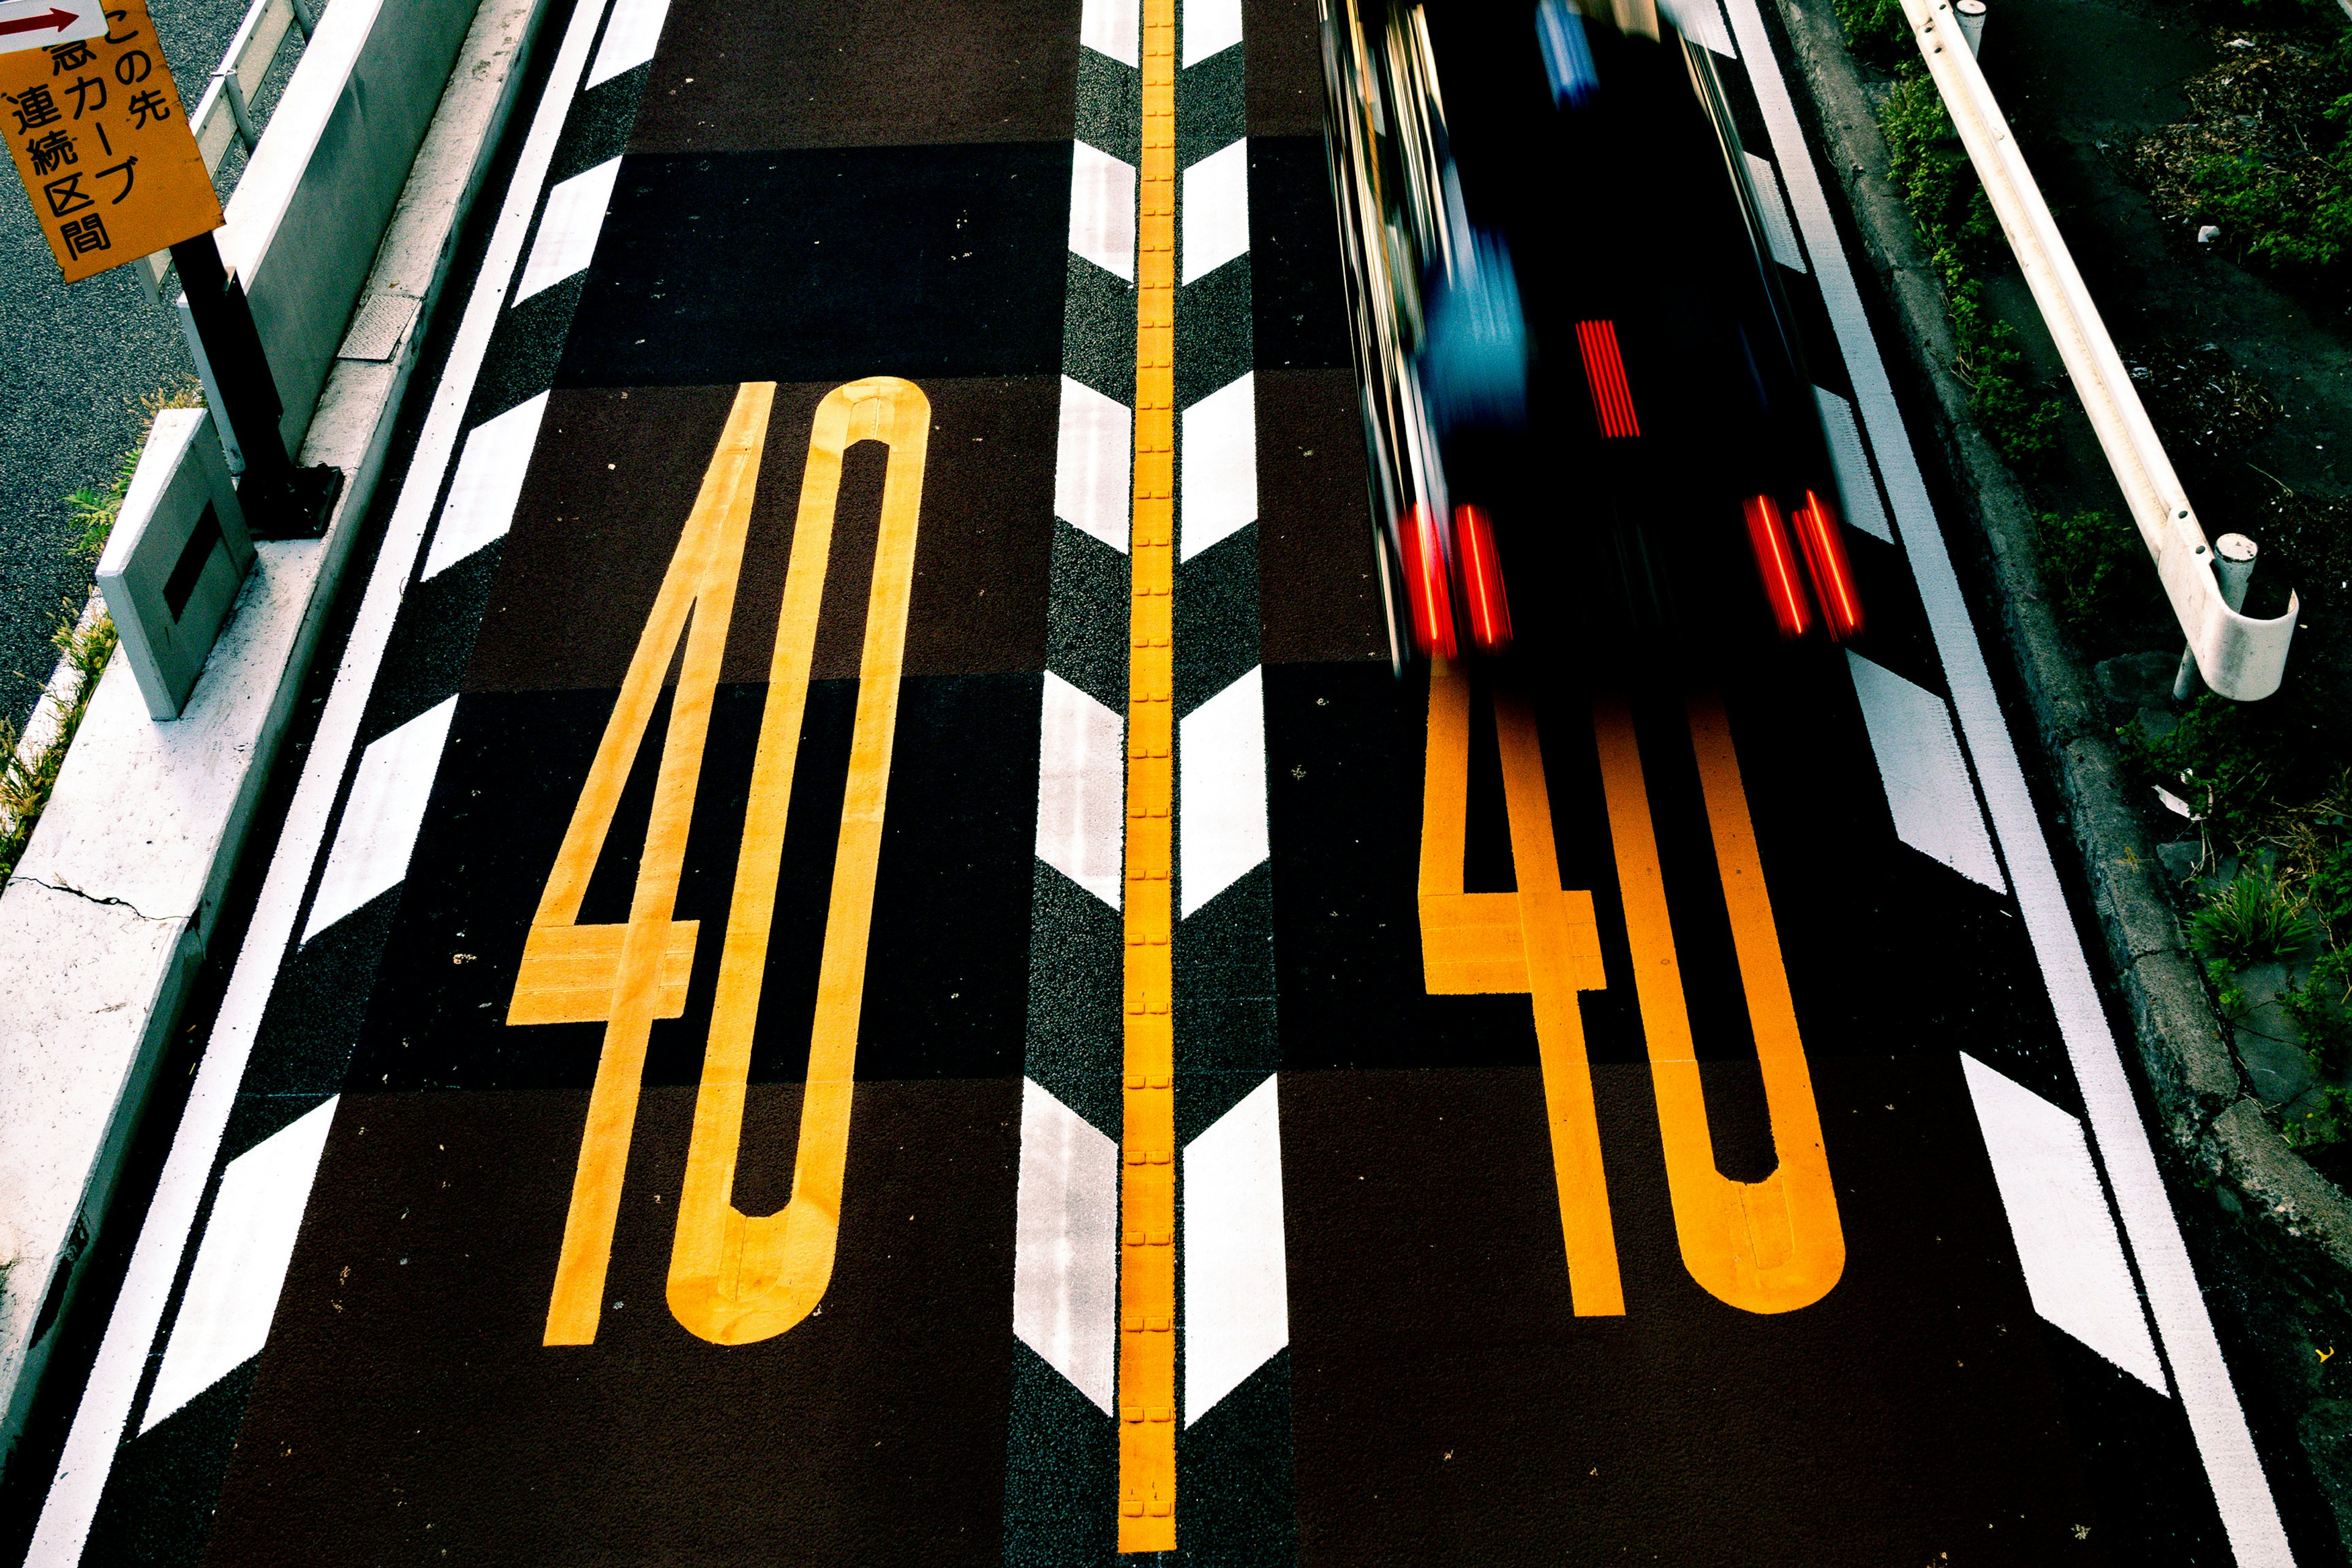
(1081, 789)
(1221, 791)
(629, 40)
(2067, 1240)
(105, 1407)
(1216, 210)
(1237, 1304)
(2241, 1491)
(1217, 466)
(385, 808)
(488, 486)
(1102, 210)
(1925, 776)
(241, 1264)
(1092, 488)
(1778, 234)
(1857, 491)
(1113, 29)
(568, 229)
(1211, 27)
(1066, 1246)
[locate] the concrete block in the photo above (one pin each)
(2136, 918)
(2190, 1069)
(176, 557)
(76, 1056)
(2136, 680)
(2299, 1199)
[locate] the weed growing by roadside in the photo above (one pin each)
(95, 508)
(1956, 224)
(1877, 29)
(2253, 920)
(25, 781)
(2265, 156)
(2084, 557)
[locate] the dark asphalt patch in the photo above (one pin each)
(916, 261)
(859, 73)
(1454, 1411)
(406, 1402)
(1319, 582)
(1299, 320)
(615, 477)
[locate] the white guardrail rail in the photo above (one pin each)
(2239, 656)
(221, 115)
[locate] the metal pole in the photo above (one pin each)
(2233, 564)
(1972, 20)
(280, 501)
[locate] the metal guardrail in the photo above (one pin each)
(2239, 657)
(221, 115)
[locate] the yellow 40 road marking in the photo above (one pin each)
(1772, 1245)
(733, 1278)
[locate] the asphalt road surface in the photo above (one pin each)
(870, 964)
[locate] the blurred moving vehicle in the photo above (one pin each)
(1576, 359)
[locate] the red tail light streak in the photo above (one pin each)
(1826, 563)
(1482, 574)
(1425, 584)
(1604, 371)
(1776, 564)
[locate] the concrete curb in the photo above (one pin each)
(111, 909)
(2200, 1093)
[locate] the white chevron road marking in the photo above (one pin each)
(1236, 1303)
(1925, 776)
(2067, 1240)
(1066, 1245)
(241, 1263)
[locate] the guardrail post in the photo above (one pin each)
(226, 77)
(1972, 21)
(2233, 564)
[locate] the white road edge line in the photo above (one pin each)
(2217, 1422)
(105, 1408)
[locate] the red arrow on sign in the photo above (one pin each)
(55, 21)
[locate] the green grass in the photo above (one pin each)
(26, 782)
(2254, 920)
(95, 508)
(1956, 223)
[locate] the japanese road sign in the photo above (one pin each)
(102, 143)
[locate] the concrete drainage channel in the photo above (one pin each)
(2286, 1252)
(342, 228)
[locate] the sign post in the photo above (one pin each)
(102, 141)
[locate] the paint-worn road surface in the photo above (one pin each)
(870, 966)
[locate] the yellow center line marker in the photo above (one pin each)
(1146, 1286)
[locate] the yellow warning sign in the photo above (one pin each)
(103, 147)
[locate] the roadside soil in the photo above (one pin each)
(2250, 383)
(2082, 81)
